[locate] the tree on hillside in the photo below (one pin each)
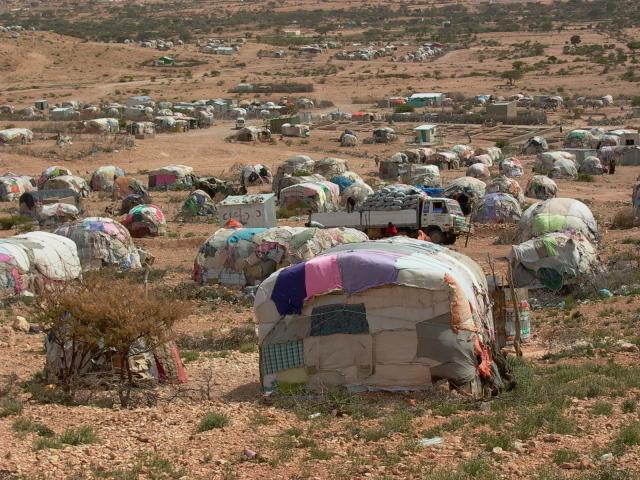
(575, 40)
(512, 75)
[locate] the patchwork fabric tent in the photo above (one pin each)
(591, 166)
(396, 314)
(172, 176)
(445, 160)
(355, 194)
(580, 138)
(125, 186)
(464, 152)
(557, 215)
(564, 168)
(346, 179)
(198, 204)
(330, 167)
(503, 184)
(289, 180)
(253, 175)
(145, 221)
(546, 161)
(68, 182)
(478, 170)
(535, 145)
(511, 167)
(296, 166)
(103, 179)
(310, 197)
(53, 214)
(131, 201)
(52, 172)
(102, 242)
(394, 166)
(12, 136)
(102, 125)
(30, 261)
(246, 256)
(496, 208)
(541, 187)
(554, 260)
(426, 175)
(12, 186)
(466, 190)
(348, 140)
(219, 189)
(495, 153)
(635, 198)
(483, 159)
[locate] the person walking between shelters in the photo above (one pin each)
(351, 204)
(612, 165)
(391, 230)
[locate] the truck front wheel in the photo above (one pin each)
(436, 235)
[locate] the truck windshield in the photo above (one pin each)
(454, 208)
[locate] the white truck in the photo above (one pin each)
(440, 218)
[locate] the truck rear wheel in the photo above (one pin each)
(450, 239)
(436, 235)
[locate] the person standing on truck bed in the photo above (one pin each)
(391, 230)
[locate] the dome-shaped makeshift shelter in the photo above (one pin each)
(30, 261)
(310, 197)
(52, 172)
(390, 314)
(198, 204)
(503, 184)
(102, 242)
(546, 161)
(554, 260)
(535, 145)
(557, 215)
(355, 195)
(145, 221)
(296, 166)
(53, 214)
(246, 256)
(67, 182)
(564, 168)
(426, 175)
(511, 167)
(254, 175)
(591, 166)
(103, 179)
(496, 208)
(172, 177)
(541, 187)
(466, 190)
(464, 152)
(478, 170)
(330, 167)
(580, 138)
(125, 186)
(12, 186)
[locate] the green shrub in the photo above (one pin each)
(213, 420)
(10, 406)
(78, 436)
(24, 425)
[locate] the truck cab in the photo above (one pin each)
(442, 219)
(239, 123)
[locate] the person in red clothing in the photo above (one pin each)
(391, 230)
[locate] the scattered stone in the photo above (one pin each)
(552, 438)
(485, 407)
(249, 453)
(497, 450)
(7, 336)
(35, 329)
(427, 442)
(20, 324)
(519, 447)
(567, 466)
(628, 347)
(607, 457)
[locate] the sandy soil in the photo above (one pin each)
(44, 64)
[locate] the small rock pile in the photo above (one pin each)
(393, 197)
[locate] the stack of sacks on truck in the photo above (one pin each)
(246, 256)
(394, 197)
